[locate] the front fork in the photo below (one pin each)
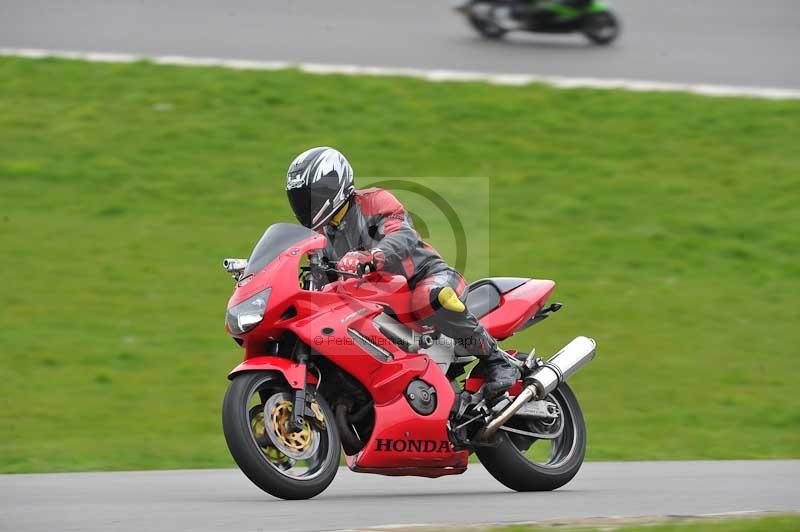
(299, 406)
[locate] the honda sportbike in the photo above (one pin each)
(495, 18)
(335, 363)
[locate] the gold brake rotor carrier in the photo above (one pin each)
(297, 444)
(297, 441)
(263, 440)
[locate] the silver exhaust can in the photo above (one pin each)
(546, 378)
(563, 365)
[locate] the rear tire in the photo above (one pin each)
(259, 463)
(511, 467)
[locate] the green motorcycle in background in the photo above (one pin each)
(494, 18)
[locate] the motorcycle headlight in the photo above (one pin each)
(247, 314)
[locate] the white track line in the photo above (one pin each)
(429, 75)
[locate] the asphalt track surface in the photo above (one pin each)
(224, 500)
(723, 42)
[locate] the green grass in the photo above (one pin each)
(669, 221)
(782, 523)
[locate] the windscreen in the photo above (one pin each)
(277, 238)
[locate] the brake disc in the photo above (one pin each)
(296, 444)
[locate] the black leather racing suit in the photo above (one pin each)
(376, 219)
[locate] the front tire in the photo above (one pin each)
(512, 461)
(285, 464)
(487, 28)
(601, 28)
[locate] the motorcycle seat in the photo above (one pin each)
(483, 296)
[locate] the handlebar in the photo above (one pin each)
(361, 270)
(330, 269)
(343, 273)
(320, 269)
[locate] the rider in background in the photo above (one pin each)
(575, 4)
(536, 7)
(371, 228)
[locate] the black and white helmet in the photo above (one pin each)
(318, 183)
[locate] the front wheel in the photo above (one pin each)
(543, 462)
(487, 27)
(482, 17)
(602, 27)
(283, 461)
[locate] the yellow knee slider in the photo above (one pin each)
(448, 299)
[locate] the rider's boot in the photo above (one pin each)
(500, 373)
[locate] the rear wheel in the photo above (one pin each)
(286, 463)
(544, 462)
(601, 28)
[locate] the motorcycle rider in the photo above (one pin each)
(370, 228)
(574, 4)
(512, 15)
(539, 8)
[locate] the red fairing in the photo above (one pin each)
(516, 307)
(335, 321)
(404, 439)
(291, 371)
(329, 333)
(281, 277)
(382, 288)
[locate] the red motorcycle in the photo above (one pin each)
(334, 361)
